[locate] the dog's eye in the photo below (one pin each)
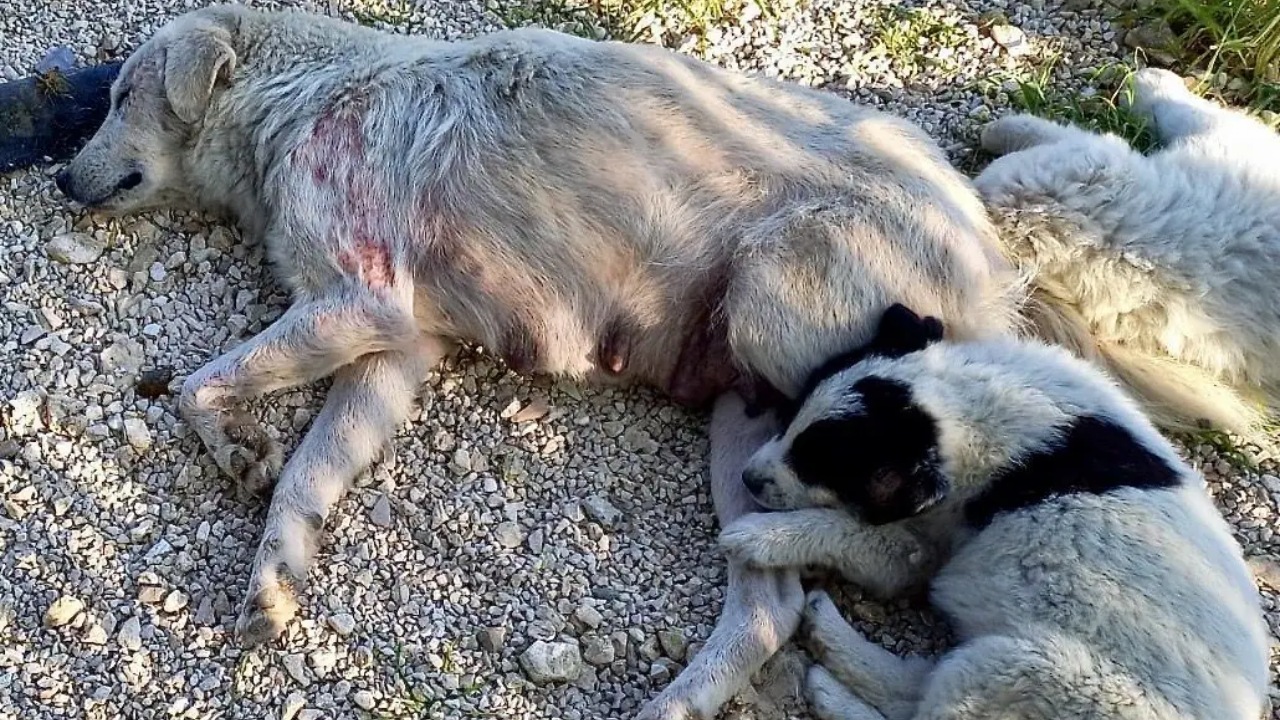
(124, 95)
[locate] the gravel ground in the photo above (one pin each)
(516, 511)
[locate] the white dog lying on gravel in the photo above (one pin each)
(1082, 564)
(1161, 267)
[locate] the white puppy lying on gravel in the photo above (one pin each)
(1081, 562)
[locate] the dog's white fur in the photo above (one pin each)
(1161, 267)
(1133, 603)
(596, 210)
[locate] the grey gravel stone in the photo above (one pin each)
(130, 635)
(548, 662)
(342, 623)
(62, 611)
(492, 639)
(74, 248)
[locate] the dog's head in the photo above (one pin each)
(920, 423)
(158, 102)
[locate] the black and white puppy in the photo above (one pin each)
(1082, 563)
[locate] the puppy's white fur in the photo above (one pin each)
(1160, 266)
(1127, 602)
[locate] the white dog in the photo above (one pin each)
(1162, 267)
(1082, 563)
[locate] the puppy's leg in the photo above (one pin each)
(890, 683)
(761, 609)
(369, 399)
(308, 342)
(887, 560)
(1018, 132)
(831, 700)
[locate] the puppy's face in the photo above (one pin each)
(867, 447)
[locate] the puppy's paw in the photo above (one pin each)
(831, 700)
(760, 540)
(1153, 84)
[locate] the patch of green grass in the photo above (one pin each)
(1232, 45)
(1102, 111)
(584, 19)
(630, 20)
(908, 37)
(1227, 446)
(390, 12)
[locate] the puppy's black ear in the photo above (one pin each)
(902, 331)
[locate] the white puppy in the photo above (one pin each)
(1161, 266)
(1082, 563)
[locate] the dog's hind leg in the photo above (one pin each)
(890, 683)
(311, 340)
(369, 399)
(831, 700)
(761, 609)
(1182, 119)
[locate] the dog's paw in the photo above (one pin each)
(251, 457)
(667, 708)
(265, 614)
(823, 624)
(754, 539)
(829, 697)
(1012, 133)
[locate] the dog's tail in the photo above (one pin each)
(1064, 277)
(1176, 395)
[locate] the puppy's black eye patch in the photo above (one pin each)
(881, 461)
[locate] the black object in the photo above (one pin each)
(49, 116)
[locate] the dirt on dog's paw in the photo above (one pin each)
(664, 708)
(252, 458)
(265, 614)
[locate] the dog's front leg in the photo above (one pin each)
(762, 608)
(888, 560)
(311, 340)
(369, 399)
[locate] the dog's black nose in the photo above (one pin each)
(132, 180)
(63, 181)
(754, 480)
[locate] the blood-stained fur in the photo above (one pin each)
(603, 211)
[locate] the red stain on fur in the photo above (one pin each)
(370, 260)
(352, 203)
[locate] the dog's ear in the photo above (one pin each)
(902, 331)
(194, 64)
